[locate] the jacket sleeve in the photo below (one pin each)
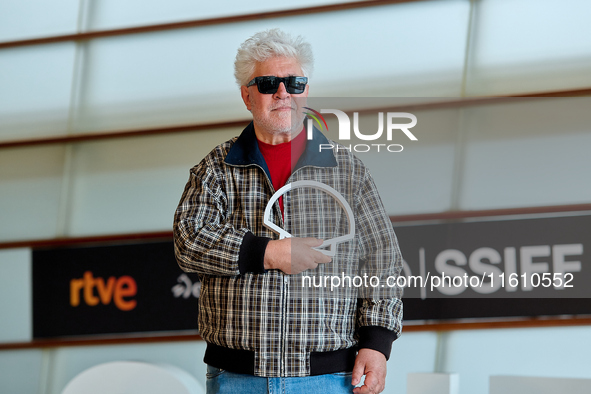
(379, 313)
(205, 242)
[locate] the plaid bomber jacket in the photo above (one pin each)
(268, 323)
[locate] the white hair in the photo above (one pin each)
(268, 44)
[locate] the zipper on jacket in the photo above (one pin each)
(283, 276)
(283, 325)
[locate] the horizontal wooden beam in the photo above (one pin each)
(457, 215)
(77, 241)
(107, 135)
(408, 327)
(498, 324)
(98, 341)
(200, 23)
(241, 123)
(397, 220)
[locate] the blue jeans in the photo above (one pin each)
(220, 381)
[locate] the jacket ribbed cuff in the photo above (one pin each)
(377, 338)
(251, 257)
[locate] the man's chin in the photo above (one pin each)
(281, 128)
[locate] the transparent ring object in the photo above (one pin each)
(331, 243)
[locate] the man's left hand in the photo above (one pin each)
(372, 364)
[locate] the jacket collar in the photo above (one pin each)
(245, 151)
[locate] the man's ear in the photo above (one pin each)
(245, 96)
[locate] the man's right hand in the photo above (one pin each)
(294, 255)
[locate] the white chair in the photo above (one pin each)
(131, 377)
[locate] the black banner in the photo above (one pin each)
(500, 268)
(111, 289)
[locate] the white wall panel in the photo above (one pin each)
(432, 383)
(532, 153)
(20, 371)
(35, 89)
(16, 296)
(549, 352)
(31, 186)
(165, 78)
(37, 18)
(134, 185)
(530, 45)
(389, 51)
(528, 172)
(420, 178)
(412, 352)
(538, 385)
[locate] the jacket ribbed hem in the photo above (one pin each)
(242, 361)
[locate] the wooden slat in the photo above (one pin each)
(486, 325)
(240, 123)
(400, 219)
(66, 139)
(409, 327)
(200, 23)
(99, 239)
(455, 215)
(95, 341)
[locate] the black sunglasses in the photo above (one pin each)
(270, 84)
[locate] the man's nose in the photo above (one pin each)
(281, 91)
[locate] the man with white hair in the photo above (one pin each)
(262, 335)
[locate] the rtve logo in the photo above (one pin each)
(116, 290)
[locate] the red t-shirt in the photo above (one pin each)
(282, 158)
